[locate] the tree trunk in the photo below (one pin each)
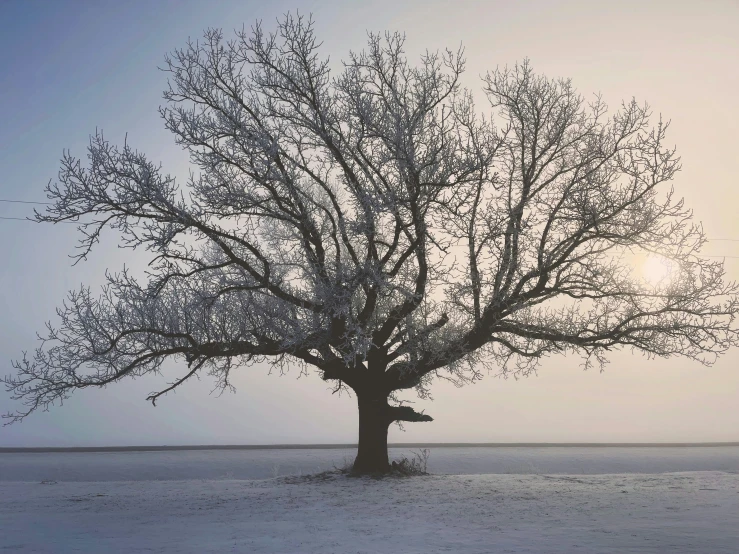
(374, 420)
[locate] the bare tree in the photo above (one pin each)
(375, 227)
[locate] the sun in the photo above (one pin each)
(659, 271)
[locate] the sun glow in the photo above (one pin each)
(659, 271)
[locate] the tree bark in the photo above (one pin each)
(374, 420)
(375, 416)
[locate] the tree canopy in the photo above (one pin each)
(376, 226)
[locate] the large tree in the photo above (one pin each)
(374, 226)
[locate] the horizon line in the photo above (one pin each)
(342, 446)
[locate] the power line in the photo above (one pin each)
(49, 203)
(34, 221)
(24, 202)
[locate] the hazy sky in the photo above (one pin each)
(69, 67)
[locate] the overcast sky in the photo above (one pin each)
(67, 68)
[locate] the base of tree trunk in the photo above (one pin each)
(374, 421)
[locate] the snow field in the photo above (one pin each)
(670, 512)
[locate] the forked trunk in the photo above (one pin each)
(374, 420)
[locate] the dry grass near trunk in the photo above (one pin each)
(415, 465)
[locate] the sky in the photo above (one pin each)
(68, 68)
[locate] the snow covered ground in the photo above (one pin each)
(680, 512)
